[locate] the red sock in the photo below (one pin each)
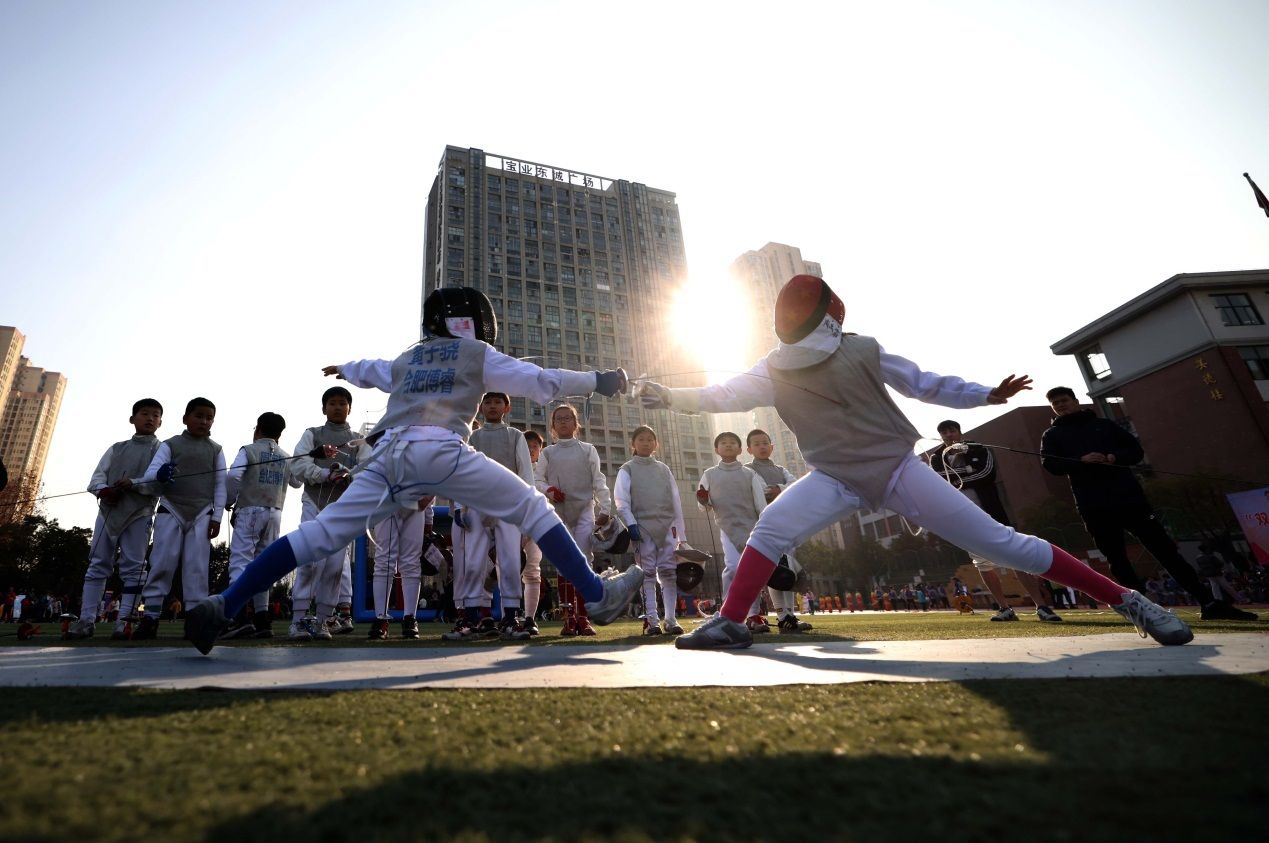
(751, 577)
(1067, 570)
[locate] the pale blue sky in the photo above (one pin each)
(218, 199)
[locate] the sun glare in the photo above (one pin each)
(714, 335)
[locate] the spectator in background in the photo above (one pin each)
(1094, 454)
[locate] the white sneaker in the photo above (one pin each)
(80, 629)
(717, 633)
(1153, 620)
(1005, 614)
(1047, 615)
(619, 590)
(299, 630)
(320, 630)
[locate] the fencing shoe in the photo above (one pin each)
(619, 590)
(1153, 620)
(147, 629)
(791, 625)
(299, 630)
(205, 622)
(1047, 615)
(80, 629)
(318, 629)
(409, 628)
(717, 633)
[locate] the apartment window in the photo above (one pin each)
(1257, 359)
(1096, 364)
(1236, 309)
(535, 335)
(552, 315)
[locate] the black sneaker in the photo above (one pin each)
(510, 630)
(487, 628)
(238, 630)
(790, 625)
(410, 628)
(1220, 610)
(263, 622)
(146, 630)
(378, 629)
(530, 626)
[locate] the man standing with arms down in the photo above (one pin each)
(1094, 454)
(971, 467)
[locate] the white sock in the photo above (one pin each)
(380, 586)
(670, 597)
(532, 597)
(411, 588)
(650, 600)
(93, 590)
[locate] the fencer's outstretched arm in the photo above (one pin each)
(502, 374)
(744, 392)
(908, 379)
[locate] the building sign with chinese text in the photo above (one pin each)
(528, 168)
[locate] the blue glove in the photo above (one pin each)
(167, 472)
(636, 535)
(654, 396)
(459, 520)
(610, 383)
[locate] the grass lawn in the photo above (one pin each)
(1079, 760)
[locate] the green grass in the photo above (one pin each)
(868, 626)
(1079, 760)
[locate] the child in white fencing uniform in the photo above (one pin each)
(829, 387)
(319, 590)
(776, 477)
(648, 503)
(255, 490)
(191, 468)
(735, 494)
(124, 517)
(506, 446)
(420, 450)
(399, 542)
(568, 473)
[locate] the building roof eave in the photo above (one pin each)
(1153, 297)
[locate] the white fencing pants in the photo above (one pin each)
(129, 546)
(178, 543)
(254, 529)
(920, 495)
(659, 565)
(505, 539)
(399, 549)
(731, 562)
(400, 471)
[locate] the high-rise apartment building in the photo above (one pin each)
(30, 414)
(581, 271)
(11, 342)
(761, 274)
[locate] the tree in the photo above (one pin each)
(39, 556)
(19, 497)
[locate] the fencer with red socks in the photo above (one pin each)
(829, 387)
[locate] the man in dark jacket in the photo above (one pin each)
(1094, 455)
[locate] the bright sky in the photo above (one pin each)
(219, 199)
